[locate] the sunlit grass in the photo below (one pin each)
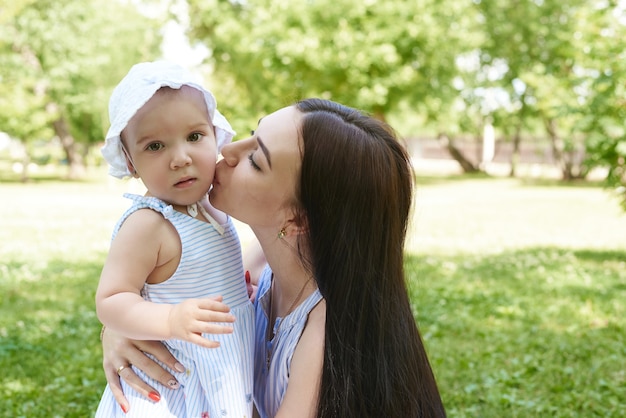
(519, 290)
(531, 332)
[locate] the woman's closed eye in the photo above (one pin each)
(252, 163)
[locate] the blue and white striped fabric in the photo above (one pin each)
(270, 383)
(218, 382)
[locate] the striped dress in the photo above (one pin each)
(218, 382)
(270, 383)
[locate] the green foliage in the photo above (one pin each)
(61, 59)
(369, 54)
(603, 120)
(541, 69)
(531, 67)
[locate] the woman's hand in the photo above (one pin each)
(119, 351)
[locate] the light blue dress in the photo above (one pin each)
(270, 383)
(218, 382)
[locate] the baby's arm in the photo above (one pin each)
(138, 249)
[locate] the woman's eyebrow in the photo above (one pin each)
(265, 151)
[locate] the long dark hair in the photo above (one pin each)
(356, 193)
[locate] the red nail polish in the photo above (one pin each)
(154, 396)
(247, 277)
(124, 408)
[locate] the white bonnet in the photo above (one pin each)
(139, 85)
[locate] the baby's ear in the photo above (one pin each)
(131, 169)
(129, 162)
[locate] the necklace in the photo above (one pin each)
(269, 336)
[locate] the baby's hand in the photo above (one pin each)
(188, 320)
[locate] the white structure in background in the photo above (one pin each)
(489, 143)
(15, 151)
(5, 141)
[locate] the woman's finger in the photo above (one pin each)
(118, 351)
(134, 381)
(152, 368)
(116, 388)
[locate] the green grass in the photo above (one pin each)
(525, 333)
(519, 290)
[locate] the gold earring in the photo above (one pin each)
(282, 233)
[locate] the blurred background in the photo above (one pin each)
(513, 111)
(524, 81)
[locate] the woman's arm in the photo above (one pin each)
(306, 369)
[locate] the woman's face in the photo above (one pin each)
(256, 180)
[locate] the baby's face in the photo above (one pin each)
(172, 147)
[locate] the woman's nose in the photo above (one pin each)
(231, 152)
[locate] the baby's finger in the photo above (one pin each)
(213, 304)
(203, 342)
(201, 327)
(215, 318)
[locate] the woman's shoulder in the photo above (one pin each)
(306, 367)
(316, 322)
(313, 331)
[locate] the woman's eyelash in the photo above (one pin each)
(254, 165)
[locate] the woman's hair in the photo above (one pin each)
(355, 195)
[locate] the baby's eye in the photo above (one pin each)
(155, 146)
(252, 132)
(194, 137)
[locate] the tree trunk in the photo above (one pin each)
(564, 159)
(76, 168)
(466, 165)
(515, 153)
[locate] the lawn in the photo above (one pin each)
(519, 290)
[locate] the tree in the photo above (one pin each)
(377, 56)
(538, 45)
(59, 61)
(603, 112)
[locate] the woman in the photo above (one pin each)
(327, 191)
